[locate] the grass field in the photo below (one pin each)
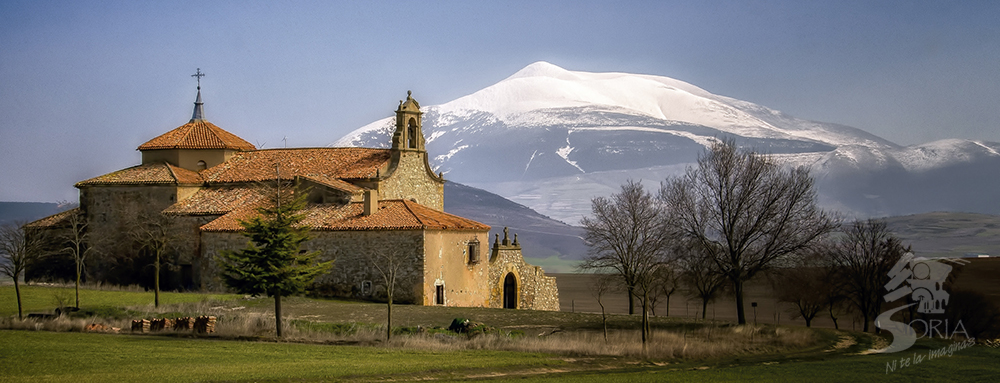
(44, 299)
(29, 356)
(553, 346)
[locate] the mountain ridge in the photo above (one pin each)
(545, 123)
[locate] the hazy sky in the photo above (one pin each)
(83, 83)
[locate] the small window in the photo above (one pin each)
(473, 252)
(439, 295)
(201, 165)
(366, 288)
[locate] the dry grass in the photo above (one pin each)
(663, 345)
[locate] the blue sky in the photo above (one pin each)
(83, 83)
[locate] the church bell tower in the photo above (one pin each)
(408, 136)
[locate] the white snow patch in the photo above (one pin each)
(564, 153)
(447, 156)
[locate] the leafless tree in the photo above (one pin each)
(152, 232)
(747, 211)
(388, 263)
(666, 280)
(700, 274)
(807, 285)
(627, 234)
(603, 285)
(863, 258)
(77, 246)
(19, 246)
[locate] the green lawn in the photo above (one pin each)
(45, 299)
(29, 356)
(80, 357)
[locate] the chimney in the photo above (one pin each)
(371, 202)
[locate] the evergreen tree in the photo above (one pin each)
(272, 263)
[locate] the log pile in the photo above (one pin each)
(184, 324)
(140, 325)
(161, 324)
(204, 324)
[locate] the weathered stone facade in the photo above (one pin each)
(516, 284)
(198, 181)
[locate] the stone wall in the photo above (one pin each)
(411, 179)
(535, 291)
(465, 280)
(353, 274)
(111, 213)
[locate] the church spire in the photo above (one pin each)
(199, 109)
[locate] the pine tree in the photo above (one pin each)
(272, 263)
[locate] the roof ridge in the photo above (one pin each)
(406, 203)
(170, 169)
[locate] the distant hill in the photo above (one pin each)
(11, 212)
(539, 235)
(945, 234)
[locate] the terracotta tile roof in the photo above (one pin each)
(334, 183)
(197, 134)
(317, 163)
(146, 174)
(54, 220)
(391, 215)
(216, 201)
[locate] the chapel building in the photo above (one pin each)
(196, 183)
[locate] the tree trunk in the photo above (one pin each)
(277, 313)
(604, 322)
(645, 320)
(156, 282)
(388, 321)
(704, 308)
(17, 291)
(77, 285)
(667, 313)
(808, 321)
(631, 300)
(864, 316)
(741, 316)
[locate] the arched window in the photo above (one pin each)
(201, 165)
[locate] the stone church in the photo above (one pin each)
(196, 183)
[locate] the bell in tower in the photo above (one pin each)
(408, 135)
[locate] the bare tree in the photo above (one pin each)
(77, 246)
(666, 280)
(602, 286)
(388, 263)
(747, 211)
(19, 247)
(153, 233)
(628, 234)
(863, 258)
(700, 274)
(806, 287)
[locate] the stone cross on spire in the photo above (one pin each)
(198, 75)
(199, 110)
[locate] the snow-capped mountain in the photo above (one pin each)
(583, 133)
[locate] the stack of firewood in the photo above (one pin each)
(204, 324)
(161, 324)
(184, 324)
(140, 325)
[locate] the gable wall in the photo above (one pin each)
(410, 180)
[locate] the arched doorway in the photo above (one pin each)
(510, 292)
